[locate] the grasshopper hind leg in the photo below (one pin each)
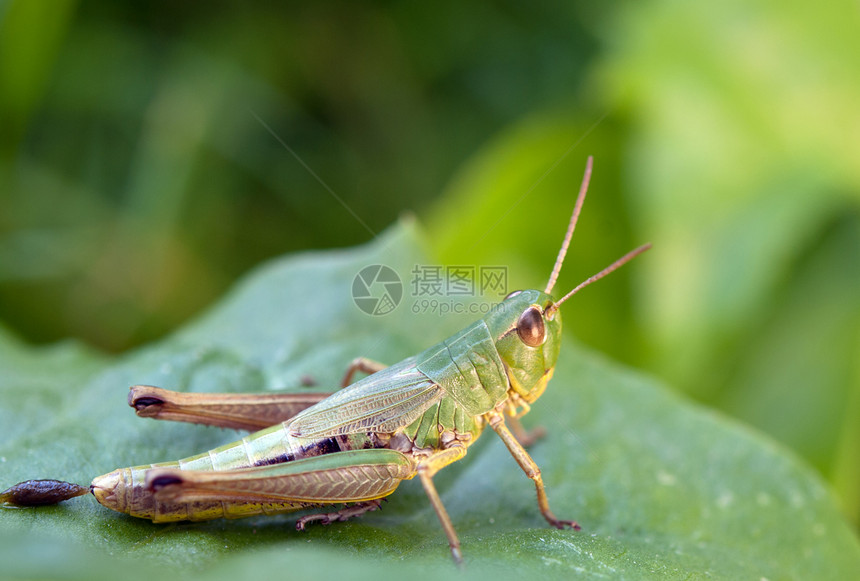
(354, 476)
(240, 411)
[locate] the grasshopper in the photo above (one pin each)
(353, 447)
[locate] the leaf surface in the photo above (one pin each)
(663, 489)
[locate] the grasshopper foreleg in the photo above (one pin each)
(343, 514)
(497, 422)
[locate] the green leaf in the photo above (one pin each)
(662, 488)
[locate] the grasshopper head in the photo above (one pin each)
(527, 333)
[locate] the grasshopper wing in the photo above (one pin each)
(385, 401)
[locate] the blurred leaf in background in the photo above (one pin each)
(145, 147)
(742, 165)
(152, 153)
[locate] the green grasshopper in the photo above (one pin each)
(355, 446)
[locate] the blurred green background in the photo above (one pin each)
(152, 153)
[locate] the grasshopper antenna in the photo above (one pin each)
(614, 266)
(580, 199)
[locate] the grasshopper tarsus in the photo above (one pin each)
(41, 492)
(457, 555)
(558, 523)
(346, 513)
(563, 524)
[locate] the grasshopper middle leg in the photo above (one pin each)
(426, 469)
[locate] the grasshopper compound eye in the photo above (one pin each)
(530, 327)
